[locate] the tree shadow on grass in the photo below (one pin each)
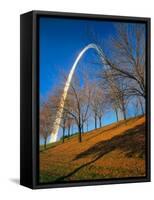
(103, 131)
(131, 142)
(114, 126)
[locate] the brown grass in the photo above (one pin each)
(114, 151)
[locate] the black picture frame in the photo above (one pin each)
(29, 99)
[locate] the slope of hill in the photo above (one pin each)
(113, 151)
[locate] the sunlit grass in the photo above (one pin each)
(114, 151)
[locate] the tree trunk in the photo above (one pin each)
(142, 109)
(79, 129)
(72, 130)
(100, 122)
(116, 112)
(95, 121)
(82, 129)
(69, 128)
(124, 112)
(45, 143)
(87, 126)
(63, 134)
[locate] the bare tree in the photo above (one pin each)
(127, 56)
(69, 123)
(117, 91)
(63, 124)
(78, 100)
(98, 104)
(138, 105)
(46, 122)
(141, 101)
(124, 52)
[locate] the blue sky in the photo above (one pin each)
(61, 40)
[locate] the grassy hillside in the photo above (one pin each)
(113, 151)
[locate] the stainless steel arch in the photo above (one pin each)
(54, 134)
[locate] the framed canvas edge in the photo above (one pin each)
(35, 95)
